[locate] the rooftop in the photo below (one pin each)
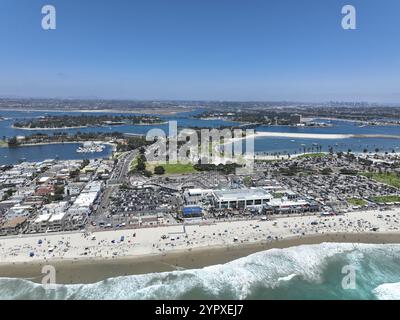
(238, 194)
(13, 223)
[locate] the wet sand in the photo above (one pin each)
(94, 270)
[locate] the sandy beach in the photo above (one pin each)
(82, 271)
(318, 136)
(85, 258)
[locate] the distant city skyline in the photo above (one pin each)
(262, 50)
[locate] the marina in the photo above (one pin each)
(91, 147)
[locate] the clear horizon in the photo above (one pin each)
(262, 51)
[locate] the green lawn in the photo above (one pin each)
(3, 144)
(386, 199)
(391, 179)
(357, 202)
(177, 168)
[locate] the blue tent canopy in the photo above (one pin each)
(192, 211)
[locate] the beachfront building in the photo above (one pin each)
(291, 206)
(193, 197)
(241, 198)
(42, 221)
(57, 221)
(12, 226)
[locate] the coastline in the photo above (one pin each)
(84, 127)
(161, 111)
(316, 136)
(323, 136)
(60, 142)
(83, 271)
(47, 129)
(90, 257)
(365, 122)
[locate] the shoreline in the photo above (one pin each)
(60, 142)
(84, 271)
(85, 127)
(161, 111)
(322, 136)
(311, 136)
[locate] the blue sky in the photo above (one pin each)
(201, 49)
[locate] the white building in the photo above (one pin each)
(73, 189)
(43, 221)
(241, 198)
(56, 222)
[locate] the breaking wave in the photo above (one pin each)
(303, 272)
(388, 291)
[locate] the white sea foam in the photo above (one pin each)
(388, 291)
(287, 278)
(234, 280)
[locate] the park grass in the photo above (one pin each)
(172, 168)
(391, 179)
(179, 168)
(357, 202)
(386, 199)
(3, 144)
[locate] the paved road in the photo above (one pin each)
(126, 167)
(121, 171)
(105, 200)
(119, 176)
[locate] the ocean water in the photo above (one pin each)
(303, 272)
